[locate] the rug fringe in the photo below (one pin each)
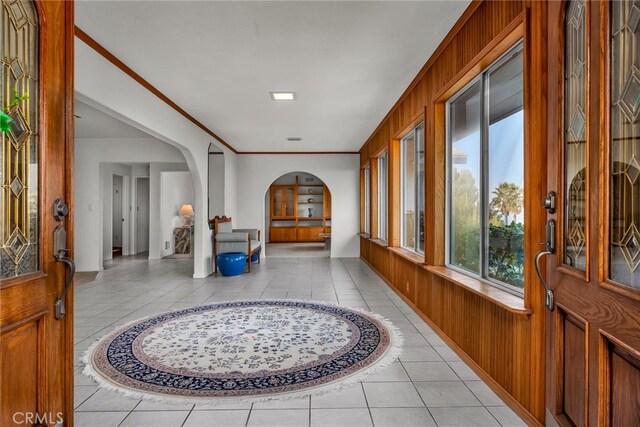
(392, 353)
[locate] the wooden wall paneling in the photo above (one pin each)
(365, 251)
(505, 346)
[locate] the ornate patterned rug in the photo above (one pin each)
(243, 351)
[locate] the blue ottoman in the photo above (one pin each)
(256, 256)
(231, 263)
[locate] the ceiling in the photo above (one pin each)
(93, 123)
(348, 62)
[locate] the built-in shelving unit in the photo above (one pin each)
(299, 212)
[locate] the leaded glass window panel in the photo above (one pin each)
(19, 162)
(624, 238)
(575, 146)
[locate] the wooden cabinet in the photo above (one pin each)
(299, 213)
(282, 234)
(309, 234)
(284, 201)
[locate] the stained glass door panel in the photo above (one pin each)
(19, 162)
(624, 237)
(575, 144)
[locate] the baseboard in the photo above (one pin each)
(493, 384)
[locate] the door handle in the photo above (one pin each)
(550, 248)
(60, 253)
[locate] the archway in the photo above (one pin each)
(298, 216)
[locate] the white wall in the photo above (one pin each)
(96, 160)
(340, 173)
(176, 189)
(102, 85)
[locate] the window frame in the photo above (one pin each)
(367, 199)
(414, 131)
(483, 185)
(383, 189)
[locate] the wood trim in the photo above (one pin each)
(17, 280)
(93, 44)
(380, 243)
(414, 257)
(492, 383)
(414, 123)
(69, 327)
(373, 198)
(561, 187)
(393, 189)
(489, 292)
(432, 59)
(362, 203)
(604, 149)
(7, 328)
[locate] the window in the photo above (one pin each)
(383, 182)
(367, 199)
(412, 167)
(485, 168)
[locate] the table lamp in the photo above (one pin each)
(186, 211)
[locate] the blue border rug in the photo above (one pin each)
(239, 351)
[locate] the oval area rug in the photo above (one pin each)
(243, 351)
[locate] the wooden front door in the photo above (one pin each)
(36, 349)
(593, 332)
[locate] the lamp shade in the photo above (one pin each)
(186, 210)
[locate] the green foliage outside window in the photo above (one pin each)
(506, 235)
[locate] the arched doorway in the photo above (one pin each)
(298, 217)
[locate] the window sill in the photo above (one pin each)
(408, 255)
(380, 242)
(493, 294)
(364, 235)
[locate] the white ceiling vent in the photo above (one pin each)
(294, 139)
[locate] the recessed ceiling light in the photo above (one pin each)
(283, 96)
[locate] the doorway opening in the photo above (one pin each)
(141, 204)
(298, 217)
(117, 216)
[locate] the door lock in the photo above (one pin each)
(60, 210)
(549, 202)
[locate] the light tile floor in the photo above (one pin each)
(429, 385)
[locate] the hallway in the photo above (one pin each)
(429, 385)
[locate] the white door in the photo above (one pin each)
(117, 211)
(142, 215)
